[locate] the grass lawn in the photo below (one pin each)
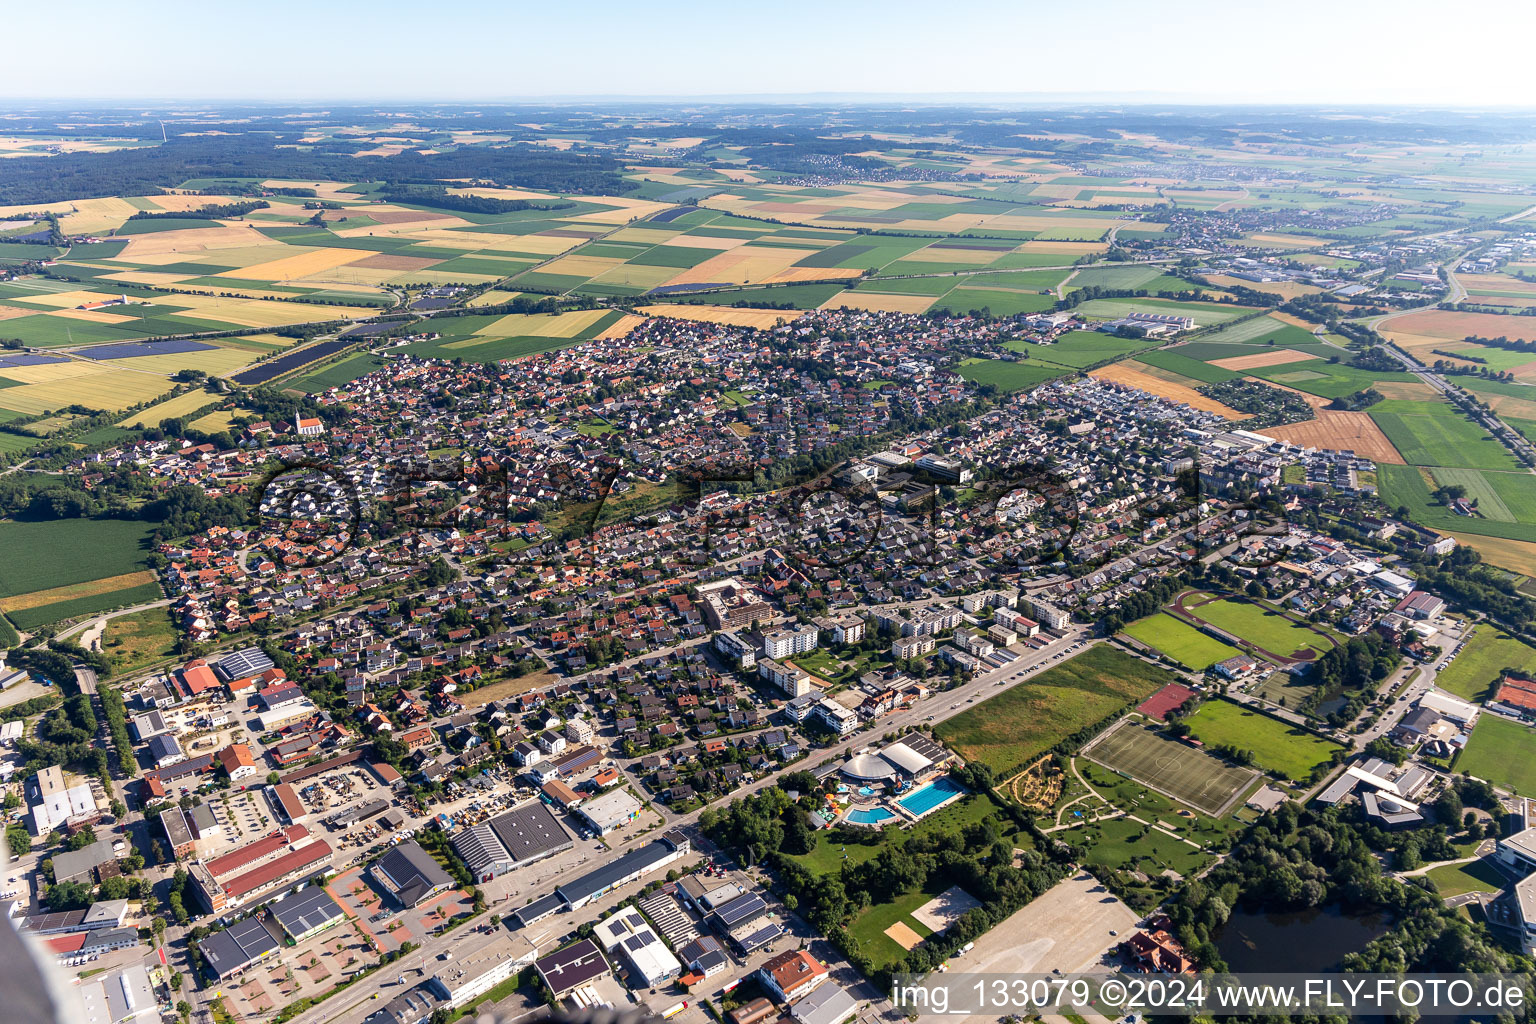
(869, 927)
(1262, 627)
(1180, 641)
(1501, 752)
(1455, 879)
(1276, 746)
(1120, 843)
(1007, 731)
(1482, 660)
(1008, 376)
(59, 552)
(132, 641)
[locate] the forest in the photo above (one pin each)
(148, 170)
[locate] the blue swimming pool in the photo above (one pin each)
(920, 802)
(870, 815)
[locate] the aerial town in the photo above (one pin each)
(1065, 562)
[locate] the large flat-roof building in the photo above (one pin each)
(613, 810)
(123, 996)
(55, 798)
(523, 835)
(634, 864)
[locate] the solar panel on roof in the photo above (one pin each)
(633, 942)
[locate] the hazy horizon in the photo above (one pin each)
(1315, 53)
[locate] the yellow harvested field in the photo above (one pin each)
(1133, 374)
(492, 297)
(159, 280)
(388, 261)
(1284, 289)
(299, 265)
(1409, 390)
(1273, 357)
(747, 265)
(72, 591)
(331, 190)
(43, 373)
(500, 193)
(794, 274)
(631, 210)
(935, 254)
(705, 242)
(403, 222)
(542, 325)
(621, 327)
(69, 299)
(218, 361)
(177, 203)
(1294, 321)
(219, 419)
(264, 313)
(193, 240)
(576, 265)
(761, 318)
(1339, 430)
(1274, 240)
(1442, 325)
(11, 312)
(108, 390)
(182, 405)
(654, 236)
(877, 302)
(1514, 555)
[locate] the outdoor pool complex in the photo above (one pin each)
(869, 815)
(941, 790)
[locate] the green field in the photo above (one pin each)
(133, 641)
(998, 302)
(1276, 746)
(1171, 359)
(1478, 876)
(1405, 486)
(338, 373)
(1180, 641)
(1188, 774)
(1078, 349)
(1122, 843)
(1204, 313)
(58, 552)
(1005, 732)
(1434, 434)
(1501, 752)
(1482, 661)
(1330, 380)
(1008, 376)
(31, 618)
(1263, 628)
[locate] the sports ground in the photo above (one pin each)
(1276, 746)
(1273, 635)
(1501, 752)
(1180, 641)
(1185, 773)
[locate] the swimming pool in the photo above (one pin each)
(870, 815)
(920, 802)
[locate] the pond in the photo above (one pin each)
(1298, 941)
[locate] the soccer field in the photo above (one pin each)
(1503, 753)
(1275, 745)
(1481, 662)
(1186, 773)
(1180, 641)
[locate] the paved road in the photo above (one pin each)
(358, 1000)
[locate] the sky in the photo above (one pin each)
(1339, 52)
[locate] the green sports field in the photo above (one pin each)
(1276, 746)
(1188, 774)
(1503, 753)
(1482, 660)
(1266, 629)
(1180, 641)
